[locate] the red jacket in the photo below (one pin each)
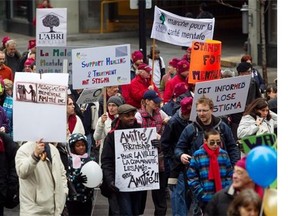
(136, 90)
(169, 89)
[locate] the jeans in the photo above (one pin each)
(89, 141)
(180, 206)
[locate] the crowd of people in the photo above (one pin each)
(201, 167)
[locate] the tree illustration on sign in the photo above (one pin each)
(51, 21)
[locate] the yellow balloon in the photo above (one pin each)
(270, 202)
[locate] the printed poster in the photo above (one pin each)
(51, 27)
(178, 30)
(136, 160)
(39, 107)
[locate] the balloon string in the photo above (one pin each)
(262, 204)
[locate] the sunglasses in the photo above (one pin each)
(213, 142)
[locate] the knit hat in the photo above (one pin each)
(179, 89)
(31, 43)
(145, 67)
(182, 66)
(243, 67)
(126, 108)
(8, 84)
(137, 55)
(76, 137)
(173, 62)
(241, 163)
(186, 105)
(116, 100)
(4, 40)
(152, 95)
(29, 62)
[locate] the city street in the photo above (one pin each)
(232, 50)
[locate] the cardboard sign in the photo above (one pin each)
(136, 160)
(89, 96)
(250, 142)
(229, 95)
(40, 107)
(50, 60)
(101, 66)
(205, 62)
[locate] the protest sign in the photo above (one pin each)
(228, 95)
(206, 64)
(250, 142)
(178, 30)
(136, 160)
(101, 66)
(89, 96)
(51, 26)
(39, 107)
(50, 60)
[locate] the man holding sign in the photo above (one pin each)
(129, 203)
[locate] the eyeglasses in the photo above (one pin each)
(203, 110)
(213, 142)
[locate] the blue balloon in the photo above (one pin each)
(261, 165)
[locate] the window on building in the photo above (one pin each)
(19, 9)
(272, 23)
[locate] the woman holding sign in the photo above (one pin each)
(257, 119)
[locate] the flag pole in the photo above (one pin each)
(153, 59)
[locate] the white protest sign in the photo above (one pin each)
(228, 95)
(178, 30)
(51, 26)
(101, 66)
(51, 60)
(136, 160)
(89, 96)
(39, 107)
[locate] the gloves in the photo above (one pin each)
(113, 188)
(156, 143)
(80, 178)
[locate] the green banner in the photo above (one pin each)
(250, 142)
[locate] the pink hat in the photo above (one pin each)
(145, 67)
(182, 66)
(31, 43)
(179, 89)
(137, 55)
(186, 105)
(173, 62)
(5, 39)
(241, 163)
(29, 62)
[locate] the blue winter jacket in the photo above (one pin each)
(198, 173)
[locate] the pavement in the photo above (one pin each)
(232, 50)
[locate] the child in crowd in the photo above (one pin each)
(80, 198)
(210, 168)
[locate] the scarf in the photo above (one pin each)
(214, 169)
(76, 160)
(71, 122)
(112, 117)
